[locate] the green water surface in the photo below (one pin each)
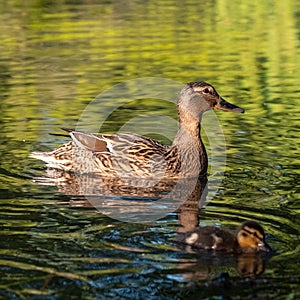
(57, 56)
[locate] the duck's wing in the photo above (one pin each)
(89, 142)
(117, 144)
(106, 153)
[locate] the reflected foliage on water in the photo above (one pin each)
(57, 56)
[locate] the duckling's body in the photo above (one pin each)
(250, 237)
(137, 156)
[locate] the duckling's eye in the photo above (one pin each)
(206, 91)
(244, 234)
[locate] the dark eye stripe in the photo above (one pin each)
(253, 233)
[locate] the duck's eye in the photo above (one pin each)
(206, 91)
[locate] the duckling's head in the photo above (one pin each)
(197, 97)
(251, 237)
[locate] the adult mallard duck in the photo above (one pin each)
(133, 155)
(249, 237)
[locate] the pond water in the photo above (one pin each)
(58, 56)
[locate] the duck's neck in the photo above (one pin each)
(188, 141)
(189, 130)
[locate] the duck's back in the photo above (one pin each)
(210, 238)
(112, 155)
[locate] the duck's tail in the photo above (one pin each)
(52, 161)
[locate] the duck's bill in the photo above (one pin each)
(224, 105)
(264, 247)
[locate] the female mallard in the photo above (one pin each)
(250, 237)
(138, 156)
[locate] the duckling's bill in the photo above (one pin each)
(264, 247)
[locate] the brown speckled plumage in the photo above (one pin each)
(137, 156)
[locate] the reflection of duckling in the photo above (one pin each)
(251, 264)
(250, 237)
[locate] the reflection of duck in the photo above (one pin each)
(130, 199)
(250, 237)
(122, 154)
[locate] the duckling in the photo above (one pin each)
(250, 237)
(137, 156)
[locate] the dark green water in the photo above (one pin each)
(57, 56)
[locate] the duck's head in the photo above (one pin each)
(197, 97)
(251, 237)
